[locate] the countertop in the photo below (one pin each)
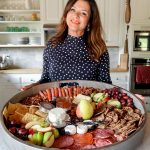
(39, 71)
(7, 143)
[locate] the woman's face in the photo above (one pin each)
(78, 17)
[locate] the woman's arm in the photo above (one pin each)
(104, 68)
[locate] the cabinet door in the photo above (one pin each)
(52, 11)
(112, 15)
(112, 22)
(120, 79)
(101, 8)
(9, 86)
(140, 11)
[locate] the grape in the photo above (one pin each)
(22, 131)
(13, 130)
(125, 97)
(124, 94)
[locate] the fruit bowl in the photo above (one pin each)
(103, 102)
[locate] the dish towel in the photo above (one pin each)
(143, 74)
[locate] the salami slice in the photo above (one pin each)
(102, 142)
(102, 133)
(63, 142)
(89, 147)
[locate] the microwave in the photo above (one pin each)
(49, 31)
(141, 41)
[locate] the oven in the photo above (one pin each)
(140, 76)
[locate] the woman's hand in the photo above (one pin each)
(140, 97)
(29, 86)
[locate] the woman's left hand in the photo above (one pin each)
(141, 97)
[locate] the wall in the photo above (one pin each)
(32, 57)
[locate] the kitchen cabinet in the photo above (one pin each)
(120, 79)
(147, 102)
(52, 11)
(112, 15)
(20, 23)
(140, 12)
(10, 84)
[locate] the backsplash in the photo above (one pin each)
(32, 57)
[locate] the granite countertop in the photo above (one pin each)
(8, 143)
(39, 71)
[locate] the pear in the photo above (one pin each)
(39, 138)
(50, 141)
(46, 137)
(34, 138)
(56, 133)
(84, 110)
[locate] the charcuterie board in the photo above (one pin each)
(75, 114)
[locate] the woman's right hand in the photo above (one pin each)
(24, 88)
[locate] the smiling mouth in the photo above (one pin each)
(75, 21)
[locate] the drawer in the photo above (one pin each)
(119, 77)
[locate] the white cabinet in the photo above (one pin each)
(52, 11)
(120, 79)
(112, 15)
(147, 102)
(140, 12)
(11, 84)
(20, 23)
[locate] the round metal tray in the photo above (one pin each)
(129, 143)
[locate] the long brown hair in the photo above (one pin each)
(94, 39)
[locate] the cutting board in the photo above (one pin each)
(124, 61)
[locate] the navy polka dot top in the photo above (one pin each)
(71, 60)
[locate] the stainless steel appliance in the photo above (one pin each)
(49, 31)
(141, 41)
(140, 75)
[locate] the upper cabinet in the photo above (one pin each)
(111, 13)
(52, 11)
(140, 11)
(20, 23)
(112, 17)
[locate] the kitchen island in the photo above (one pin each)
(8, 143)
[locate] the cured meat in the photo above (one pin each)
(102, 133)
(59, 92)
(63, 142)
(70, 91)
(89, 147)
(102, 142)
(56, 94)
(63, 92)
(83, 139)
(49, 95)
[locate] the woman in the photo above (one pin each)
(77, 51)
